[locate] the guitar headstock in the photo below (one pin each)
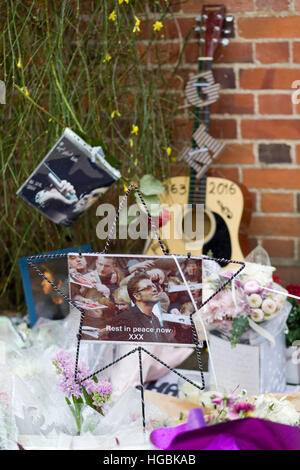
(215, 28)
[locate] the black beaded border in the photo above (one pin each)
(31, 259)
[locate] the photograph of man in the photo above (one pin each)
(145, 314)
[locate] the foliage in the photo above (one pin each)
(84, 65)
(239, 326)
(293, 323)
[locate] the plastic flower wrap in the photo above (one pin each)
(90, 391)
(234, 422)
(249, 299)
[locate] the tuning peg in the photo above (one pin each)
(229, 18)
(226, 31)
(198, 19)
(216, 28)
(224, 42)
(219, 16)
(204, 17)
(197, 29)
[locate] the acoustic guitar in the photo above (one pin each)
(226, 204)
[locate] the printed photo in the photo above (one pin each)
(69, 180)
(136, 299)
(41, 299)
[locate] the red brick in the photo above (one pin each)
(235, 52)
(174, 29)
(267, 78)
(237, 153)
(296, 52)
(275, 5)
(269, 27)
(234, 103)
(183, 130)
(221, 172)
(270, 128)
(289, 274)
(195, 6)
(277, 202)
(277, 248)
(167, 52)
(253, 201)
(177, 80)
(275, 104)
(223, 128)
(298, 154)
(274, 178)
(225, 76)
(275, 226)
(272, 52)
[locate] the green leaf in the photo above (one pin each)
(239, 326)
(152, 203)
(87, 398)
(151, 186)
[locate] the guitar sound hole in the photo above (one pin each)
(196, 225)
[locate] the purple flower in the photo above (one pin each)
(65, 365)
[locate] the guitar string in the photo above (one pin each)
(203, 115)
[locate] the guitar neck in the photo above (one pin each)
(197, 189)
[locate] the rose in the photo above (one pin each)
(294, 289)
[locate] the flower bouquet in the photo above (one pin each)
(249, 316)
(233, 422)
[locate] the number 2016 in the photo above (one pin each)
(222, 188)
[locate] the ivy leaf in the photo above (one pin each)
(239, 326)
(150, 186)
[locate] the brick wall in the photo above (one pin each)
(254, 115)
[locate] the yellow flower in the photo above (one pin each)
(131, 142)
(136, 27)
(135, 129)
(135, 162)
(107, 58)
(169, 151)
(25, 91)
(19, 64)
(115, 113)
(112, 16)
(122, 1)
(157, 26)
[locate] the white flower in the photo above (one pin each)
(268, 306)
(257, 315)
(254, 300)
(262, 273)
(281, 411)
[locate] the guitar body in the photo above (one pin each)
(224, 219)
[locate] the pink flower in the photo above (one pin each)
(224, 400)
(252, 287)
(240, 408)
